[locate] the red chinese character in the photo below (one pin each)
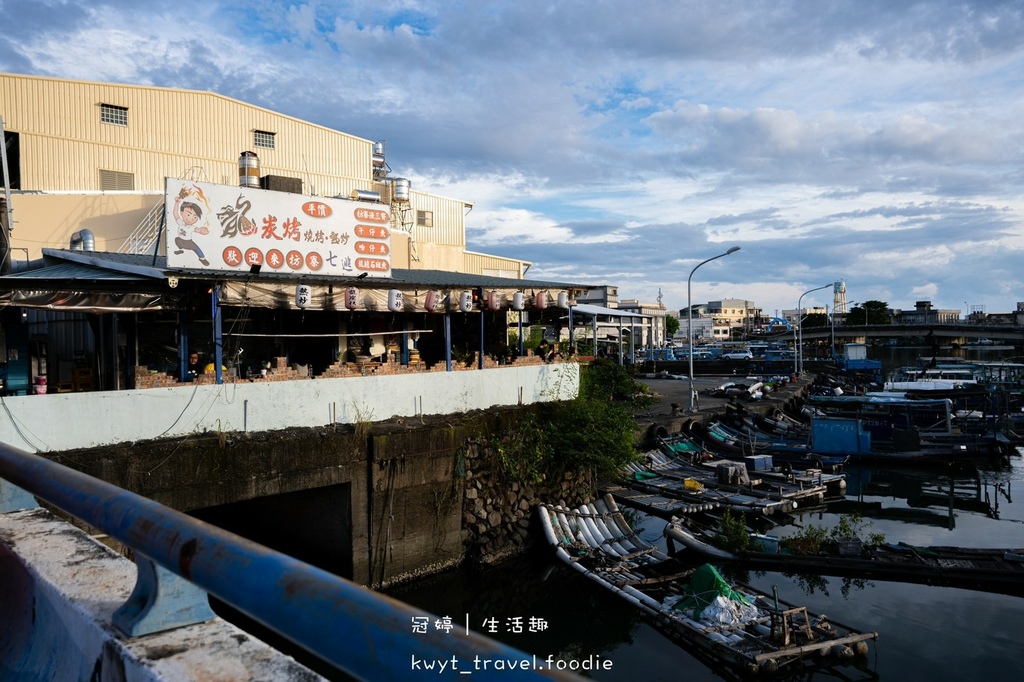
(291, 229)
(270, 228)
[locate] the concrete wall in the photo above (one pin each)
(59, 589)
(64, 421)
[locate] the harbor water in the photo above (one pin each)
(925, 632)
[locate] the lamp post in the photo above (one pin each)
(689, 313)
(798, 364)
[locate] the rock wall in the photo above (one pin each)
(496, 512)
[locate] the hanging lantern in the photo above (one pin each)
(540, 301)
(303, 295)
(395, 301)
(351, 298)
(465, 301)
(434, 302)
(563, 299)
(493, 300)
(518, 301)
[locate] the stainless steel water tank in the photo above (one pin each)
(249, 170)
(401, 189)
(364, 195)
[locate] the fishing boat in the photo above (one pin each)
(895, 429)
(985, 569)
(654, 475)
(733, 628)
(735, 476)
(791, 451)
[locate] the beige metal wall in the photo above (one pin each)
(184, 133)
(47, 220)
(64, 144)
(495, 266)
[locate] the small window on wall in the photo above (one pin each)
(113, 114)
(116, 181)
(263, 139)
(425, 218)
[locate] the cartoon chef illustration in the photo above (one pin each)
(188, 215)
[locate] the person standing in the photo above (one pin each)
(193, 369)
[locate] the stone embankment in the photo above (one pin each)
(497, 513)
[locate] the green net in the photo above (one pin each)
(684, 447)
(706, 584)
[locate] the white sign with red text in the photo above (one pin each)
(225, 227)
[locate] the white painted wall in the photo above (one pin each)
(62, 421)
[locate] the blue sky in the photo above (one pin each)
(878, 142)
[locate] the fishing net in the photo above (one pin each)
(706, 586)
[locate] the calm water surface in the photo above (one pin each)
(925, 633)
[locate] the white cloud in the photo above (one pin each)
(880, 147)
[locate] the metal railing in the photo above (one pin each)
(360, 632)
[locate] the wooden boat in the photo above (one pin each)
(990, 570)
(730, 627)
(655, 503)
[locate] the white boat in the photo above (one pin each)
(730, 627)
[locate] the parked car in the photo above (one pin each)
(738, 355)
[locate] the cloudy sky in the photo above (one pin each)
(876, 142)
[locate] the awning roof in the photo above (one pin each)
(596, 310)
(64, 264)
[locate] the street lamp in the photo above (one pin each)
(798, 364)
(689, 313)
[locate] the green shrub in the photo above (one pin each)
(596, 431)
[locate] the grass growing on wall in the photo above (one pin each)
(595, 431)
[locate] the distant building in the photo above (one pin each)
(705, 328)
(793, 316)
(737, 313)
(650, 330)
(924, 313)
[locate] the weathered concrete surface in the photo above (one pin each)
(402, 484)
(59, 589)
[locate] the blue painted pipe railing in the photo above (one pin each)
(363, 633)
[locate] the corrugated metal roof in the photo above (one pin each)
(588, 309)
(75, 271)
(134, 266)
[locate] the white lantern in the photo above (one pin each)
(465, 301)
(351, 298)
(563, 299)
(395, 301)
(303, 295)
(518, 301)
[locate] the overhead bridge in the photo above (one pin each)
(949, 333)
